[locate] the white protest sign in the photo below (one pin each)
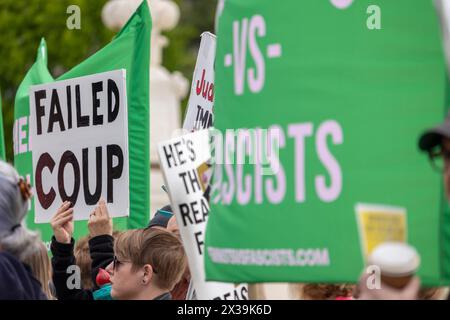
(199, 113)
(183, 161)
(79, 130)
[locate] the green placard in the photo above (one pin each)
(350, 87)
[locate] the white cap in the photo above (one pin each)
(395, 258)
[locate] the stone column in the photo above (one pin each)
(167, 90)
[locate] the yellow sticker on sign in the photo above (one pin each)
(378, 224)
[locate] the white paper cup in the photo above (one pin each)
(398, 262)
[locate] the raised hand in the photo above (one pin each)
(100, 223)
(62, 223)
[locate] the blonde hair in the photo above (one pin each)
(161, 249)
(41, 267)
(84, 261)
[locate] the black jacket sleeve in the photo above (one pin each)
(102, 254)
(63, 278)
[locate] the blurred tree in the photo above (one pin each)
(23, 23)
(196, 16)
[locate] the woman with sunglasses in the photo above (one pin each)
(148, 263)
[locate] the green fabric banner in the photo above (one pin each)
(347, 87)
(130, 50)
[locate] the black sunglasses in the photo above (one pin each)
(117, 263)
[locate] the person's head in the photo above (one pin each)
(40, 265)
(14, 196)
(172, 226)
(161, 218)
(164, 219)
(436, 142)
(313, 291)
(147, 263)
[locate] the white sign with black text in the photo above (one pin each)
(79, 131)
(199, 113)
(184, 162)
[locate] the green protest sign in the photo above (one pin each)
(342, 89)
(129, 50)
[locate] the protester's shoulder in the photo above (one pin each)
(164, 296)
(16, 280)
(6, 260)
(9, 264)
